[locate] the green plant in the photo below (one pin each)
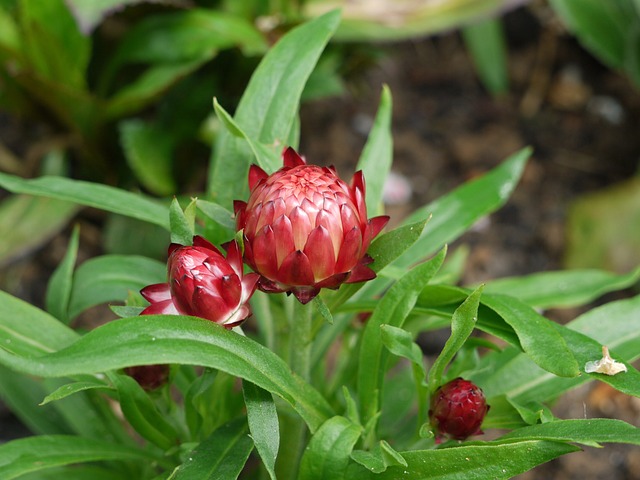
(323, 396)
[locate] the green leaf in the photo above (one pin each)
(377, 155)
(564, 288)
(393, 309)
(27, 223)
(142, 414)
(148, 152)
(22, 394)
(52, 43)
(327, 454)
(110, 278)
(323, 310)
(266, 157)
(186, 35)
(60, 284)
(152, 339)
(453, 213)
(33, 454)
(600, 26)
(268, 108)
(485, 42)
(473, 462)
(147, 88)
(462, 324)
(218, 214)
(263, 424)
(592, 431)
(222, 455)
(27, 330)
(538, 336)
(90, 194)
(71, 388)
(400, 343)
(182, 222)
(381, 457)
(616, 325)
(76, 472)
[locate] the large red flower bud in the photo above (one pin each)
(203, 283)
(458, 409)
(305, 228)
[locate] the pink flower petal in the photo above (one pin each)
(291, 158)
(319, 251)
(165, 307)
(156, 293)
(296, 270)
(255, 175)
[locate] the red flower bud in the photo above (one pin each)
(305, 228)
(457, 409)
(149, 377)
(203, 283)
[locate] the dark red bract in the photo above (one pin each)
(458, 409)
(305, 229)
(203, 283)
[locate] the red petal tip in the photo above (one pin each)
(290, 158)
(199, 241)
(255, 175)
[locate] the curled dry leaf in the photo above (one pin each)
(606, 364)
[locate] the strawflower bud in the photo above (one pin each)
(305, 229)
(149, 377)
(203, 283)
(458, 409)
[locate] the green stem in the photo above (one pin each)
(300, 340)
(293, 429)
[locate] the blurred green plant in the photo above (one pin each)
(360, 412)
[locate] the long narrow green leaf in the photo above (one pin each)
(462, 324)
(538, 336)
(90, 194)
(616, 325)
(59, 287)
(476, 462)
(327, 455)
(221, 456)
(142, 414)
(263, 424)
(587, 431)
(27, 223)
(565, 288)
(269, 105)
(152, 339)
(32, 454)
(393, 309)
(110, 278)
(27, 330)
(377, 154)
(485, 41)
(23, 394)
(455, 212)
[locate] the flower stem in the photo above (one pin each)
(300, 340)
(293, 428)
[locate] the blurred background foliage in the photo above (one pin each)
(124, 88)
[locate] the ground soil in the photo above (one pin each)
(581, 119)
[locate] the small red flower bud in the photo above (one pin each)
(457, 409)
(149, 377)
(305, 229)
(203, 283)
